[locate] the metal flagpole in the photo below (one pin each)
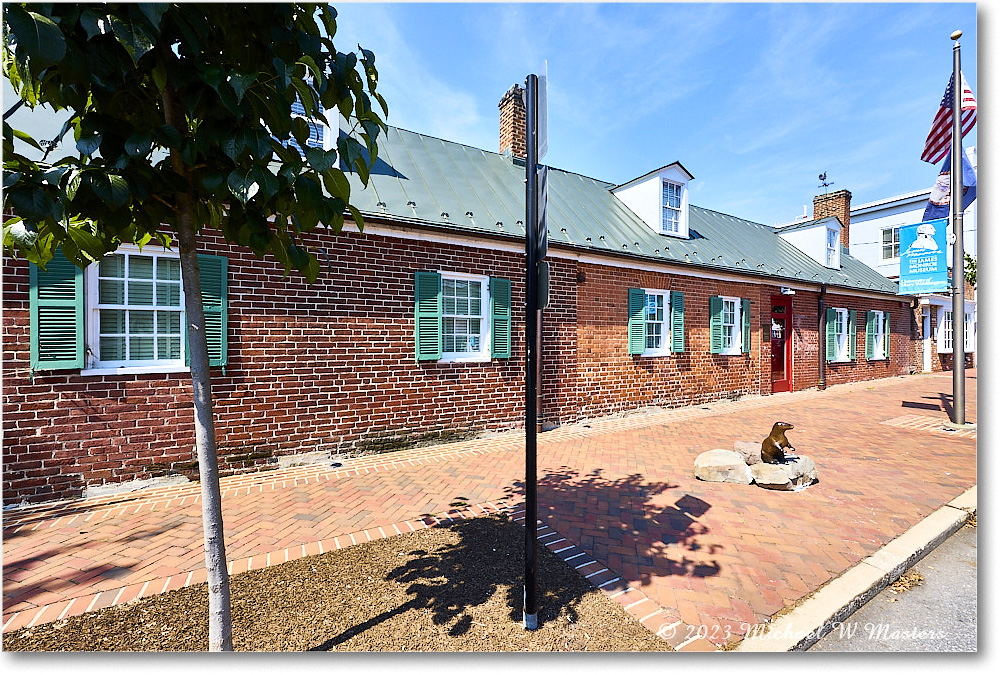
(531, 371)
(958, 254)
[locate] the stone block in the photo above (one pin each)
(750, 450)
(794, 474)
(722, 466)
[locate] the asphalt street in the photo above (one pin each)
(939, 614)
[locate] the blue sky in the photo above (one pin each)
(755, 100)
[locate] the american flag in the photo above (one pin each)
(938, 141)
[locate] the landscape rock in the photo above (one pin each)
(794, 474)
(749, 450)
(722, 466)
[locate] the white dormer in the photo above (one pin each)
(819, 239)
(660, 199)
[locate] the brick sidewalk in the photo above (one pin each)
(690, 559)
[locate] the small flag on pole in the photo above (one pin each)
(938, 141)
(939, 203)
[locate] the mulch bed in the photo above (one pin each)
(447, 588)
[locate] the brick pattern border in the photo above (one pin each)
(660, 621)
(120, 596)
(932, 424)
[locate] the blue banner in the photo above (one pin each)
(923, 262)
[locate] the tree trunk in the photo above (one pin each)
(220, 622)
(220, 626)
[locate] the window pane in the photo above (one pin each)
(140, 348)
(112, 349)
(168, 295)
(112, 321)
(140, 292)
(140, 322)
(654, 335)
(168, 348)
(168, 269)
(110, 292)
(168, 322)
(140, 267)
(112, 266)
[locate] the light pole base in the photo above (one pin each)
(968, 426)
(531, 622)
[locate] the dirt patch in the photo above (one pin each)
(447, 588)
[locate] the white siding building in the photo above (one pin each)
(875, 241)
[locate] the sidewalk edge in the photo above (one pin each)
(817, 615)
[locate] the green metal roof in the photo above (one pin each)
(429, 181)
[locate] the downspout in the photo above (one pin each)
(822, 338)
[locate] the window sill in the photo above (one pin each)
(655, 354)
(473, 358)
(134, 370)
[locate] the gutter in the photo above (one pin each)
(821, 335)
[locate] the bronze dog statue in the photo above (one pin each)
(772, 450)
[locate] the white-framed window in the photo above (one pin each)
(465, 317)
(657, 318)
(135, 310)
(842, 335)
(832, 237)
(890, 243)
(946, 332)
(878, 336)
(732, 334)
(317, 132)
(671, 222)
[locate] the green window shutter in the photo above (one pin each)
(870, 318)
(500, 317)
(831, 333)
(55, 300)
(212, 276)
(676, 321)
(852, 333)
(427, 319)
(745, 311)
(887, 333)
(715, 323)
(636, 321)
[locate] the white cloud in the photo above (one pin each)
(417, 99)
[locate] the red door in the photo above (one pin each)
(781, 343)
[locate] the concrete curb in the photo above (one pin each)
(819, 613)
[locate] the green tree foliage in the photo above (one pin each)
(182, 120)
(183, 105)
(970, 269)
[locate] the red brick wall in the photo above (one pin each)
(331, 366)
(611, 380)
(323, 367)
(861, 369)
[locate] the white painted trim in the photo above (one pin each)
(664, 350)
(92, 323)
(737, 347)
(588, 258)
(484, 355)
(134, 370)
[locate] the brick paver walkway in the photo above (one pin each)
(617, 499)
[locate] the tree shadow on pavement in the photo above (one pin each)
(626, 523)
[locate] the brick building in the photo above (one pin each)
(414, 330)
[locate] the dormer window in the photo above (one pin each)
(671, 223)
(660, 199)
(831, 247)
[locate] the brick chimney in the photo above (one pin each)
(512, 118)
(838, 205)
